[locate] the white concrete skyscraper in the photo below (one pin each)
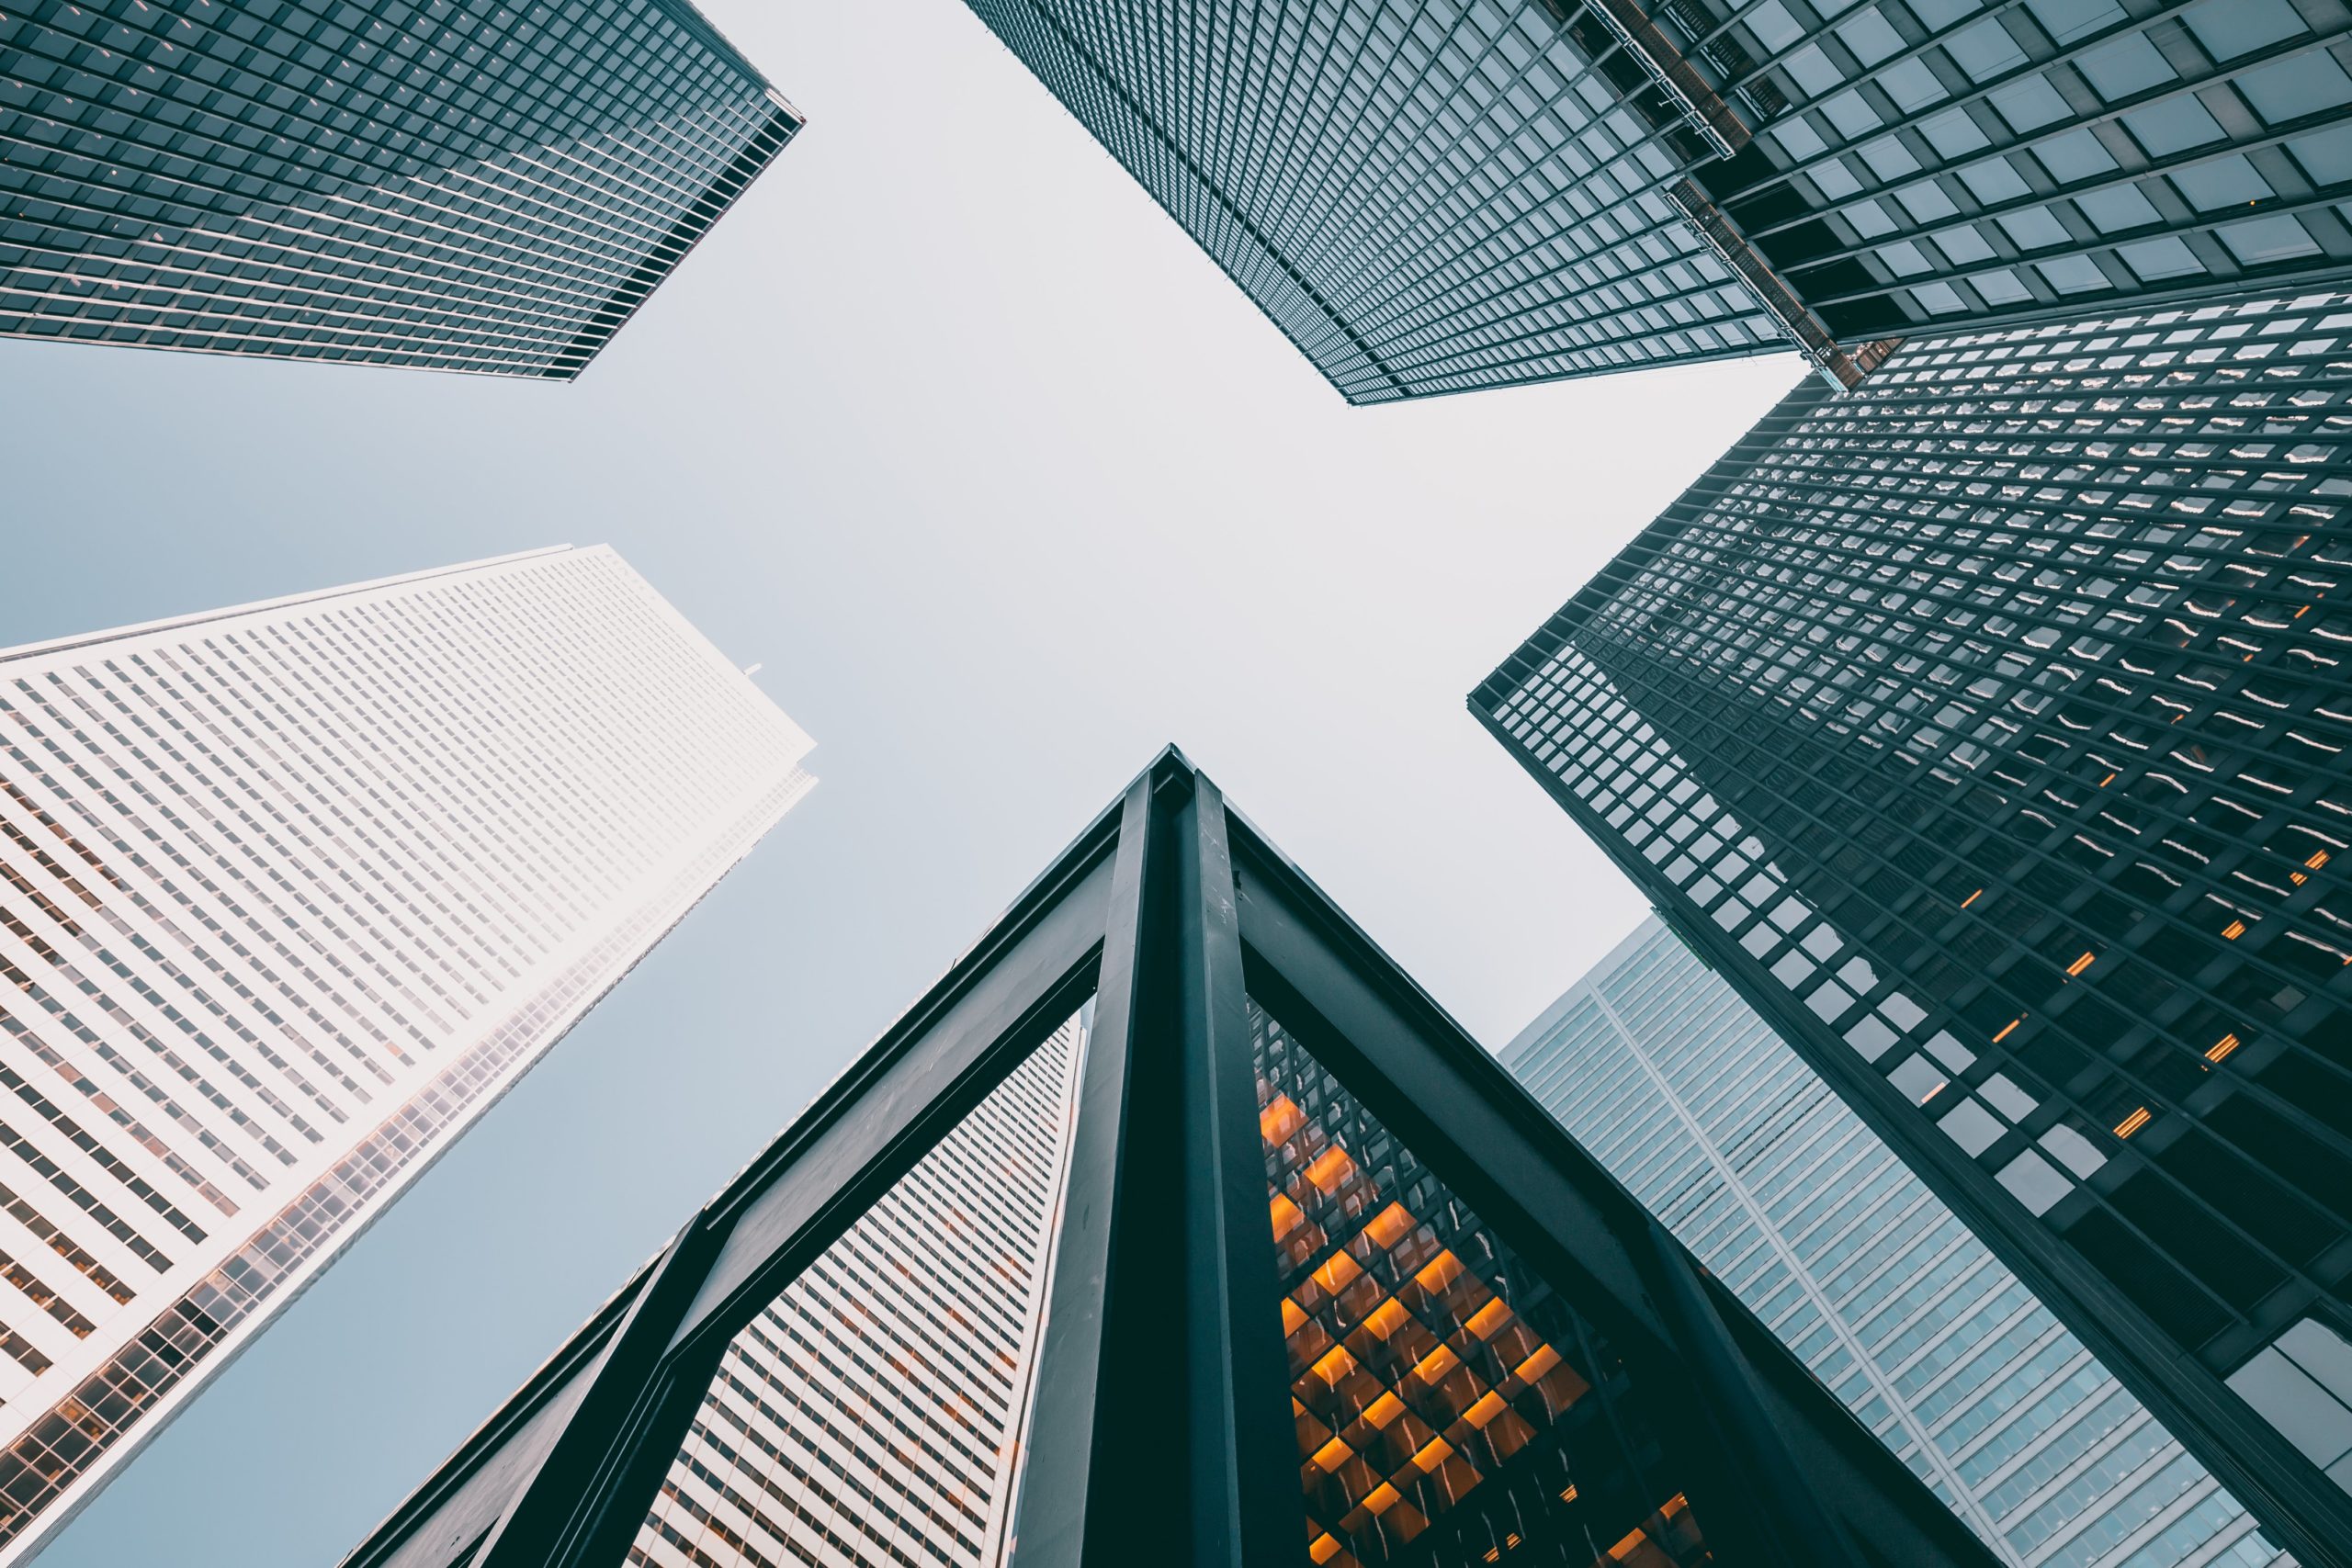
(1658, 1069)
(289, 892)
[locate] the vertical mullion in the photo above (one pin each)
(1102, 1456)
(1247, 1505)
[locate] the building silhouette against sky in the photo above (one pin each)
(1323, 1286)
(289, 893)
(1653, 1064)
(1985, 726)
(452, 185)
(1474, 194)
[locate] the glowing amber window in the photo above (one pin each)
(1443, 1414)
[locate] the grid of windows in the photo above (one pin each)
(1985, 723)
(1425, 199)
(458, 185)
(873, 1415)
(1450, 1406)
(1975, 160)
(1658, 1068)
(292, 893)
(1475, 193)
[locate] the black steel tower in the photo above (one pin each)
(1477, 193)
(1326, 1286)
(1986, 726)
(452, 185)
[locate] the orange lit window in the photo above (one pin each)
(1436, 1453)
(1279, 1119)
(1436, 1364)
(1972, 898)
(2222, 1047)
(1630, 1545)
(1292, 1318)
(1439, 1272)
(1335, 1273)
(2079, 964)
(1535, 1366)
(2008, 1029)
(1331, 1170)
(1384, 1497)
(1489, 1320)
(1287, 1217)
(1336, 1363)
(1388, 1317)
(1384, 1410)
(2319, 858)
(2132, 1123)
(1324, 1550)
(2234, 929)
(1390, 1225)
(1489, 1405)
(1333, 1454)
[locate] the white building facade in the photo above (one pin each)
(874, 1414)
(1658, 1068)
(289, 893)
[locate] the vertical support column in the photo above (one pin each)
(1162, 1431)
(1099, 1481)
(1247, 1506)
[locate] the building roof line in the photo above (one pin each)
(169, 623)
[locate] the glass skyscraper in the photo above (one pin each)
(1655, 1064)
(292, 893)
(452, 185)
(1985, 726)
(1477, 193)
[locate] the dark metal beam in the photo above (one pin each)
(1413, 1068)
(1247, 1505)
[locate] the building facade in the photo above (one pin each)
(1322, 1286)
(1984, 725)
(873, 1416)
(1478, 193)
(1653, 1064)
(292, 893)
(452, 185)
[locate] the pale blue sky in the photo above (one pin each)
(1006, 486)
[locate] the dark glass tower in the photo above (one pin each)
(1259, 1261)
(1477, 193)
(452, 185)
(1986, 726)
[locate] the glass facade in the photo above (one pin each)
(1476, 193)
(1451, 1406)
(452, 185)
(1656, 1067)
(873, 1416)
(1984, 724)
(292, 893)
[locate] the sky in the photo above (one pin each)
(1005, 486)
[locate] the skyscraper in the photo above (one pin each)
(452, 185)
(1441, 198)
(1322, 1286)
(1653, 1064)
(1985, 726)
(292, 893)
